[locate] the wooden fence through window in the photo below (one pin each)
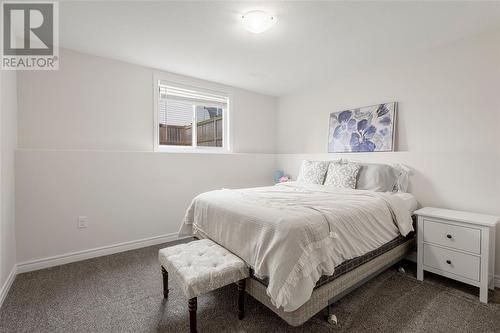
(208, 133)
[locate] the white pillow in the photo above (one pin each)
(313, 172)
(377, 177)
(402, 178)
(342, 175)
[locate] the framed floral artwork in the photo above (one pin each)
(366, 129)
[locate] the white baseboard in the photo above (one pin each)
(4, 290)
(67, 258)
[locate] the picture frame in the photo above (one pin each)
(365, 129)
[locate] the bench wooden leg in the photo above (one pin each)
(241, 299)
(165, 282)
(192, 304)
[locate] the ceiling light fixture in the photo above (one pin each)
(258, 21)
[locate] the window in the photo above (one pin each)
(190, 119)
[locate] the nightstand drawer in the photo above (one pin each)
(462, 238)
(465, 265)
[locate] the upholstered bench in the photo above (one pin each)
(202, 266)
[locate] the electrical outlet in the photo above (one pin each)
(82, 222)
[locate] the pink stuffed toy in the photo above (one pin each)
(284, 179)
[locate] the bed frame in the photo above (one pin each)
(329, 293)
(324, 296)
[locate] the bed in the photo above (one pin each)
(306, 244)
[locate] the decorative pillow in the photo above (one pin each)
(342, 175)
(377, 177)
(313, 172)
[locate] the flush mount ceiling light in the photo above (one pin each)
(257, 21)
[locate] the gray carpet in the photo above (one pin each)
(123, 293)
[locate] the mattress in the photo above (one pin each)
(328, 292)
(352, 264)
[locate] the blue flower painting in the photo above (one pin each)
(366, 129)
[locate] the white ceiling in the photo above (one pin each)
(310, 42)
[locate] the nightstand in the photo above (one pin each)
(458, 245)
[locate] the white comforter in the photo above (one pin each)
(294, 233)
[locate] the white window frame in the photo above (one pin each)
(196, 86)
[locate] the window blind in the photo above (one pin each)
(192, 96)
(175, 112)
(176, 104)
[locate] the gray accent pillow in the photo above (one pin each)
(313, 172)
(342, 175)
(377, 177)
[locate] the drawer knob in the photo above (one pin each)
(448, 262)
(449, 236)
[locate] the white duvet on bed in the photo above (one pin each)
(409, 200)
(294, 233)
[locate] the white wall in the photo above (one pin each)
(126, 196)
(86, 134)
(448, 101)
(95, 103)
(8, 138)
(448, 128)
(86, 141)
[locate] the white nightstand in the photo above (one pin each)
(458, 245)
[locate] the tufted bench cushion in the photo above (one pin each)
(202, 266)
